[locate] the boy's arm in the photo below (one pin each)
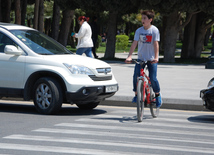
(156, 48)
(129, 58)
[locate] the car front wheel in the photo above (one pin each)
(47, 95)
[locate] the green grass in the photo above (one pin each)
(179, 45)
(102, 48)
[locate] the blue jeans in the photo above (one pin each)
(87, 51)
(152, 75)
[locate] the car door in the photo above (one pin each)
(12, 67)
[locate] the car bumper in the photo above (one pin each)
(207, 96)
(91, 94)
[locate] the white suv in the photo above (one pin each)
(34, 66)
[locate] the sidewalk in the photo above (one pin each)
(180, 84)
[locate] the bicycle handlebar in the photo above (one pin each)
(140, 62)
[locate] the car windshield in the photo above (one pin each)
(40, 43)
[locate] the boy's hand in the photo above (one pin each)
(154, 61)
(128, 60)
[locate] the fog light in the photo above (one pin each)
(85, 92)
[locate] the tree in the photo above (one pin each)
(36, 14)
(68, 7)
(41, 16)
(115, 8)
(23, 11)
(55, 21)
(18, 12)
(5, 11)
(188, 48)
(65, 26)
(194, 33)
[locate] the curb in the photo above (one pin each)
(168, 103)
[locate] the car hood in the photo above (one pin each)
(78, 60)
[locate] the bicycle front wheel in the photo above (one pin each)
(140, 100)
(153, 109)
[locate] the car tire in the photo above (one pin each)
(47, 95)
(88, 106)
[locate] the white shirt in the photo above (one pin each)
(84, 36)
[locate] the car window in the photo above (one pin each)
(39, 42)
(5, 40)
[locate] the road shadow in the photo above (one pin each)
(125, 119)
(64, 111)
(18, 108)
(75, 111)
(202, 119)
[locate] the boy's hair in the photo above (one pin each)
(149, 13)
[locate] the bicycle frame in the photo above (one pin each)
(147, 84)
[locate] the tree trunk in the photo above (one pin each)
(18, 12)
(163, 35)
(172, 29)
(23, 11)
(47, 26)
(65, 26)
(55, 21)
(200, 35)
(36, 14)
(41, 16)
(1, 8)
(189, 39)
(111, 35)
(6, 8)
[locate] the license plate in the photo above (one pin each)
(110, 89)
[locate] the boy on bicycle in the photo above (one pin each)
(147, 38)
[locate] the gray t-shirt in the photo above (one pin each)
(146, 40)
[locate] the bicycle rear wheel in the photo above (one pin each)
(153, 109)
(140, 100)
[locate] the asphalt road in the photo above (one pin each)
(105, 130)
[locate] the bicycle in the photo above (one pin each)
(145, 94)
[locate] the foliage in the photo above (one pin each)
(131, 36)
(122, 41)
(132, 18)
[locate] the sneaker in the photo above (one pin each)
(134, 100)
(159, 101)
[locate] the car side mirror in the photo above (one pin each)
(11, 49)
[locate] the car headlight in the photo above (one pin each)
(211, 83)
(76, 69)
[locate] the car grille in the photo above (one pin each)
(104, 70)
(105, 78)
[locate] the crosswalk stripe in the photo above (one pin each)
(185, 122)
(122, 128)
(153, 123)
(167, 119)
(106, 143)
(123, 135)
(57, 149)
(162, 114)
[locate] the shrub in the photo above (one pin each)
(122, 42)
(131, 36)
